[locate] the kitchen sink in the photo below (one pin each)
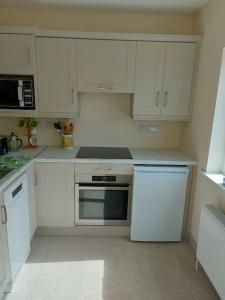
(13, 162)
(10, 163)
(4, 172)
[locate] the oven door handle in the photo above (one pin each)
(104, 188)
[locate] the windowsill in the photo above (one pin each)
(217, 178)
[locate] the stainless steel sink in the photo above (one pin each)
(4, 172)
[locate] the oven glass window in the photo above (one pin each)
(103, 204)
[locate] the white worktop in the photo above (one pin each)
(161, 157)
(58, 154)
(140, 157)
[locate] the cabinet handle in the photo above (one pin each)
(25, 54)
(72, 91)
(35, 179)
(157, 98)
(28, 55)
(105, 88)
(4, 221)
(165, 98)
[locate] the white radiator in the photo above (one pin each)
(211, 247)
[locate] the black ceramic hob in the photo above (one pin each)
(104, 153)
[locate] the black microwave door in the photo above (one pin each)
(9, 94)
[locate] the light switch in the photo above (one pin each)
(141, 128)
(153, 128)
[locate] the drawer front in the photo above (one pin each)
(116, 169)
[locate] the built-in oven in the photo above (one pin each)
(102, 199)
(17, 92)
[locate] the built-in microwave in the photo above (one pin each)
(17, 92)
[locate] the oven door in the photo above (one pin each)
(102, 205)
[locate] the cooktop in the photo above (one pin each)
(104, 153)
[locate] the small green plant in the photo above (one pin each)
(28, 123)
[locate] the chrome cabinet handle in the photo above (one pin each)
(4, 221)
(72, 95)
(165, 98)
(105, 88)
(25, 54)
(28, 55)
(35, 179)
(157, 98)
(104, 168)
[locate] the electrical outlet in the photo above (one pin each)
(153, 128)
(141, 128)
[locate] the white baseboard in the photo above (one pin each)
(106, 231)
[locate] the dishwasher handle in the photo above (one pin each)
(5, 219)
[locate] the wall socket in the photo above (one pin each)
(141, 128)
(148, 128)
(153, 128)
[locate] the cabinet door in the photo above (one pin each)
(149, 78)
(179, 66)
(106, 66)
(31, 178)
(56, 65)
(55, 194)
(16, 54)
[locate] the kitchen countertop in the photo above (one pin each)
(140, 157)
(161, 157)
(58, 154)
(31, 153)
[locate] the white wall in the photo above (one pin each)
(105, 119)
(210, 22)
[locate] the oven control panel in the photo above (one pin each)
(104, 178)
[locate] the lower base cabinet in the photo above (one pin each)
(4, 256)
(55, 194)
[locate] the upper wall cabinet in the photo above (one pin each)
(106, 66)
(163, 83)
(56, 66)
(16, 54)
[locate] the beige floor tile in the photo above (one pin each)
(84, 268)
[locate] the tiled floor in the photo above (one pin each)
(110, 269)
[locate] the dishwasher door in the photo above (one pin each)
(158, 203)
(17, 224)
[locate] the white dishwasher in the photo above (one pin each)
(17, 223)
(158, 203)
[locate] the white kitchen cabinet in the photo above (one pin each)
(163, 82)
(150, 60)
(55, 194)
(56, 67)
(4, 258)
(179, 67)
(106, 66)
(31, 178)
(17, 54)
